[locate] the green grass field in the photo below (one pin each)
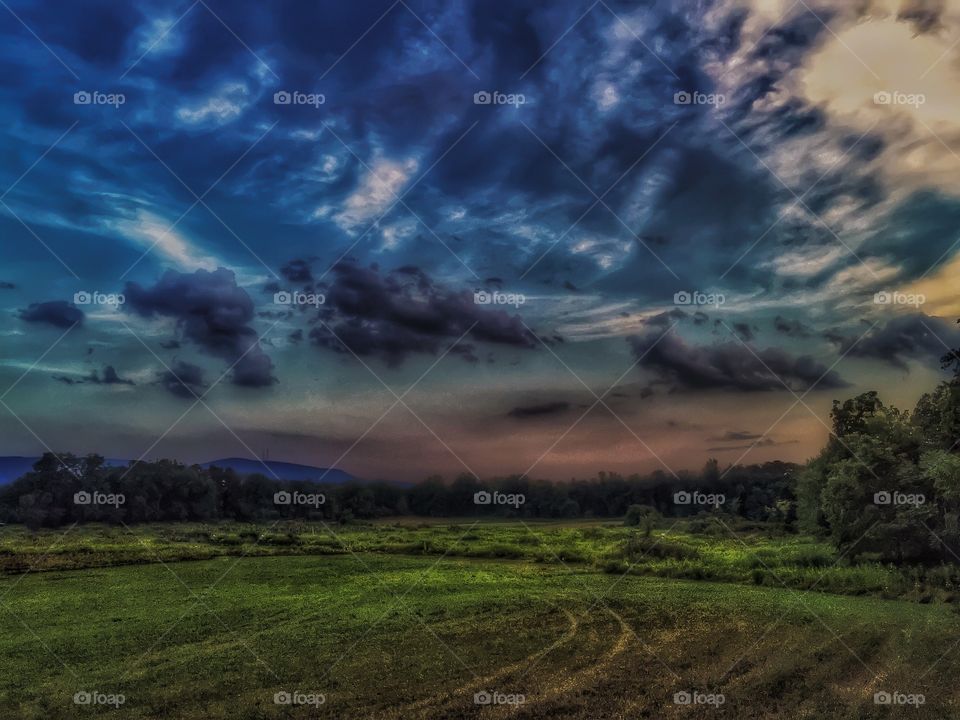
(398, 620)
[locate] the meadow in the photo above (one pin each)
(420, 619)
(715, 549)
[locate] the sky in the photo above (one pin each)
(411, 238)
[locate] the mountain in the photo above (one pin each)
(12, 467)
(282, 470)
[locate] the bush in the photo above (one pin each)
(636, 548)
(641, 515)
(814, 557)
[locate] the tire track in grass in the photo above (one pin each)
(429, 706)
(573, 684)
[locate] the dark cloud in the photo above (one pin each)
(765, 442)
(791, 327)
(184, 380)
(736, 436)
(213, 312)
(744, 331)
(109, 377)
(58, 313)
(909, 337)
(297, 271)
(525, 412)
(924, 15)
(728, 366)
(67, 380)
(392, 315)
(7, 286)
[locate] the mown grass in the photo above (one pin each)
(721, 552)
(394, 636)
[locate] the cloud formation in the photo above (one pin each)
(393, 315)
(914, 336)
(58, 313)
(214, 313)
(183, 380)
(729, 366)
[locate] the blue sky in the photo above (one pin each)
(563, 238)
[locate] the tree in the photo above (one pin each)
(641, 516)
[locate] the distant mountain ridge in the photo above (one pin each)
(12, 467)
(282, 470)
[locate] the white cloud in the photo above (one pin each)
(921, 138)
(395, 234)
(153, 233)
(225, 106)
(159, 37)
(377, 191)
(806, 262)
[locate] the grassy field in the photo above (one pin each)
(717, 550)
(378, 622)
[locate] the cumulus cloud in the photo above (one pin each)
(183, 380)
(58, 313)
(915, 336)
(396, 314)
(728, 366)
(213, 312)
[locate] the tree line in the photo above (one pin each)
(62, 489)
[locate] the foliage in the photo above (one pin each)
(167, 491)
